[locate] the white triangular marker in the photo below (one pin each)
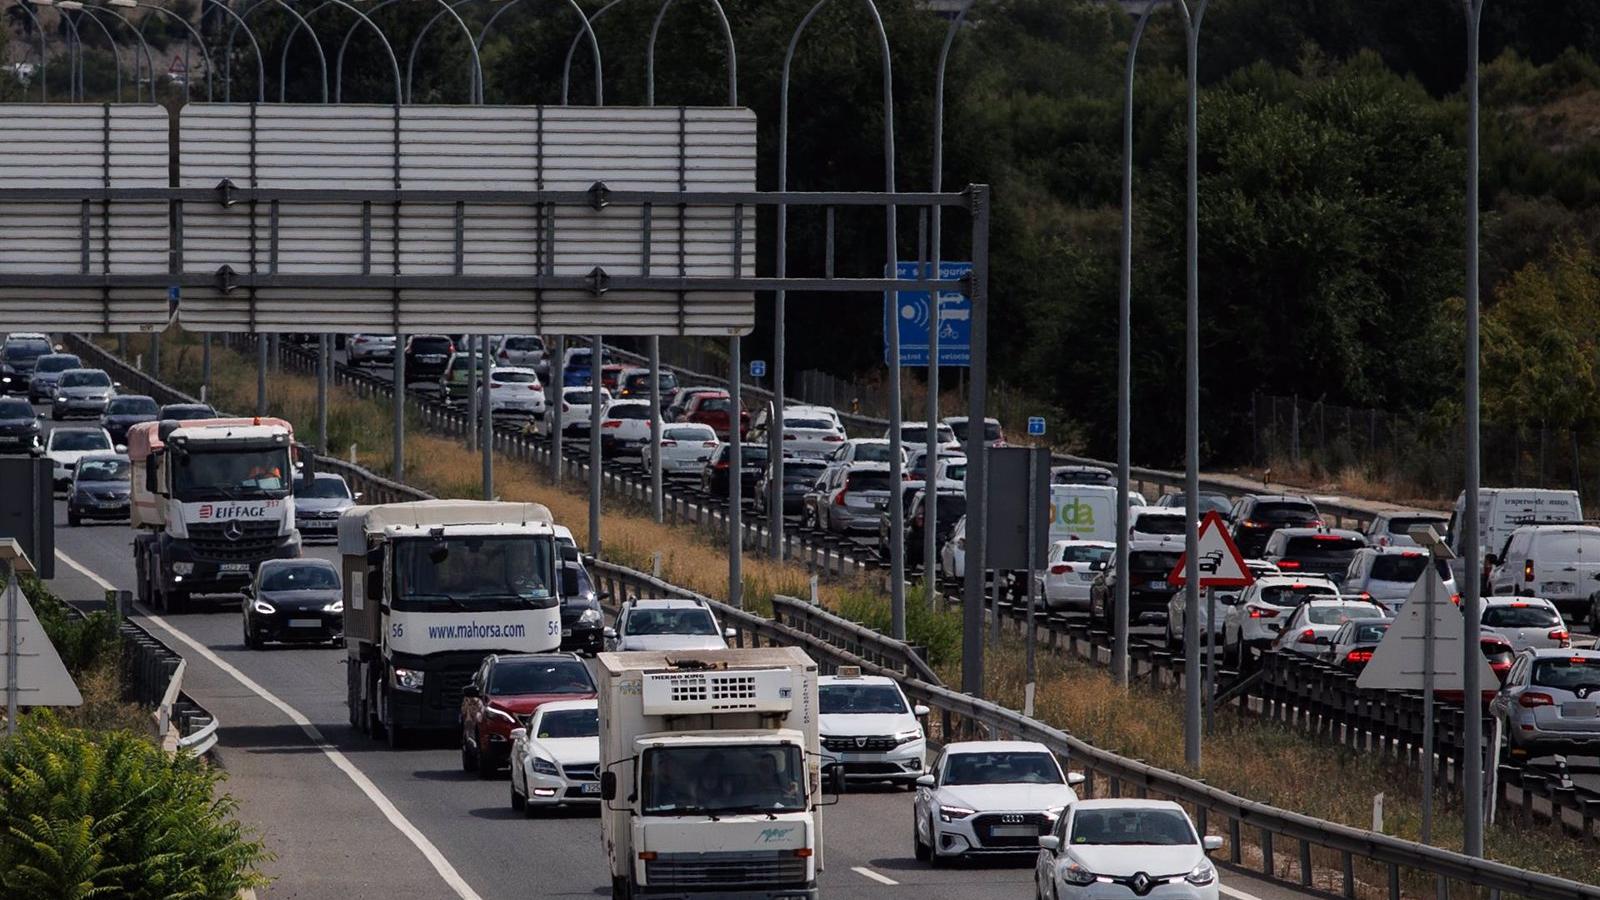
(42, 678)
(1220, 562)
(1396, 663)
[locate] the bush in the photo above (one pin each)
(939, 629)
(108, 814)
(83, 641)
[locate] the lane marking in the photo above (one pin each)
(868, 873)
(396, 818)
(1235, 893)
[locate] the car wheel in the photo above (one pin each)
(518, 801)
(468, 763)
(55, 415)
(486, 767)
(73, 520)
(918, 848)
(934, 859)
(177, 601)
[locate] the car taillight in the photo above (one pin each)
(1562, 635)
(1326, 537)
(1288, 563)
(1263, 612)
(1358, 656)
(723, 464)
(1314, 523)
(1252, 523)
(452, 347)
(1307, 637)
(789, 437)
(361, 340)
(1531, 699)
(709, 444)
(1527, 570)
(1410, 554)
(668, 443)
(533, 387)
(1456, 599)
(838, 499)
(919, 520)
(834, 439)
(611, 423)
(1060, 569)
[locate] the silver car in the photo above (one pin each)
(82, 392)
(1550, 703)
(319, 503)
(1527, 623)
(370, 349)
(46, 372)
(854, 498)
(526, 350)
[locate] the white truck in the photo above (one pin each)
(1502, 511)
(1085, 512)
(711, 773)
(210, 499)
(430, 589)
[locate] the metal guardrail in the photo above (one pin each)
(855, 638)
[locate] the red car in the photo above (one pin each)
(715, 409)
(504, 694)
(609, 376)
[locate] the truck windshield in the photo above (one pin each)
(475, 572)
(722, 780)
(203, 475)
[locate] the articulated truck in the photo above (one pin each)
(710, 774)
(210, 500)
(430, 589)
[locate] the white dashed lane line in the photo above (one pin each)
(868, 873)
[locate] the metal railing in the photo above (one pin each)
(905, 659)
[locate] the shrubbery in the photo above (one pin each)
(84, 642)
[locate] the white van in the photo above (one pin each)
(1503, 510)
(1084, 512)
(1560, 563)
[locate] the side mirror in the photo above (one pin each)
(924, 781)
(608, 785)
(471, 691)
(1211, 843)
(920, 711)
(609, 633)
(1489, 559)
(518, 734)
(247, 591)
(357, 495)
(569, 581)
(121, 448)
(729, 634)
(603, 595)
(1076, 778)
(117, 385)
(1049, 842)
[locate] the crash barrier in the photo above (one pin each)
(907, 659)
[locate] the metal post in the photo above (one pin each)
(261, 374)
(655, 428)
(205, 365)
(1211, 659)
(596, 364)
(558, 379)
(735, 476)
(155, 355)
(397, 468)
(1191, 481)
(13, 646)
(1033, 626)
(977, 464)
(324, 357)
(1428, 667)
(1472, 736)
(470, 346)
(1119, 643)
(486, 442)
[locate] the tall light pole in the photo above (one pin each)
(1471, 610)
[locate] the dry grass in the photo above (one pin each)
(1350, 481)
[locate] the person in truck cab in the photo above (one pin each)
(785, 792)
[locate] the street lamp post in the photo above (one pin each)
(1472, 735)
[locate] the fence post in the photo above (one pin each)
(1294, 430)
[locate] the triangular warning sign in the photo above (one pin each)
(42, 679)
(1396, 662)
(178, 67)
(1220, 562)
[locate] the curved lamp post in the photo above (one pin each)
(239, 20)
(149, 58)
(44, 50)
(394, 61)
(188, 84)
(474, 75)
(116, 58)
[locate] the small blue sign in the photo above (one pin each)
(758, 368)
(911, 310)
(1036, 426)
(174, 295)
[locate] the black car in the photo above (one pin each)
(583, 625)
(1149, 564)
(19, 355)
(1314, 551)
(293, 601)
(186, 411)
(99, 489)
(1256, 516)
(952, 505)
(798, 477)
(124, 412)
(19, 428)
(714, 477)
(427, 357)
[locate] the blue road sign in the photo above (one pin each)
(758, 368)
(1035, 426)
(911, 310)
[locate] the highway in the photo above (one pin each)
(349, 818)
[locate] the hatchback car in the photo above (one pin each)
(1527, 623)
(555, 758)
(65, 446)
(678, 403)
(993, 434)
(516, 391)
(1210, 501)
(293, 601)
(625, 427)
(575, 407)
(1149, 564)
(1256, 516)
(798, 477)
(1070, 570)
(853, 498)
(1253, 623)
(1224, 597)
(1394, 529)
(1351, 646)
(125, 411)
(19, 427)
(715, 409)
(1550, 703)
(82, 392)
(915, 434)
(47, 371)
(868, 728)
(635, 384)
(319, 502)
(1115, 849)
(427, 357)
(464, 375)
(983, 798)
(684, 449)
(1387, 575)
(523, 351)
(20, 354)
(1314, 551)
(1310, 627)
(714, 477)
(100, 488)
(503, 695)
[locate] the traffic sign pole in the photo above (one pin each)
(1427, 708)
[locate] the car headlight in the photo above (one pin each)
(183, 568)
(263, 607)
(407, 680)
(542, 766)
(336, 606)
(589, 617)
(1072, 873)
(952, 813)
(906, 737)
(500, 714)
(1202, 874)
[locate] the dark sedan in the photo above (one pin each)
(714, 478)
(293, 601)
(19, 427)
(99, 489)
(124, 412)
(798, 477)
(583, 625)
(187, 411)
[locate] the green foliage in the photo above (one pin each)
(939, 629)
(84, 642)
(110, 815)
(1541, 343)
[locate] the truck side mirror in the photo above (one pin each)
(375, 585)
(569, 581)
(608, 786)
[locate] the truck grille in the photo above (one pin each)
(256, 540)
(983, 827)
(582, 773)
(876, 744)
(725, 869)
(448, 694)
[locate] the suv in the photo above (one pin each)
(1394, 529)
(852, 498)
(1256, 516)
(635, 384)
(669, 624)
(1387, 574)
(1314, 551)
(20, 353)
(505, 692)
(1550, 703)
(1149, 564)
(427, 357)
(1254, 620)
(993, 434)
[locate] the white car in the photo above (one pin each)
(1114, 849)
(1070, 569)
(555, 757)
(953, 468)
(915, 434)
(868, 729)
(625, 427)
(1311, 626)
(525, 350)
(855, 450)
(668, 624)
(953, 555)
(988, 797)
(1394, 529)
(811, 431)
(575, 408)
(993, 434)
(1254, 621)
(1387, 575)
(1527, 623)
(516, 391)
(369, 349)
(65, 446)
(685, 448)
(1156, 523)
(1225, 597)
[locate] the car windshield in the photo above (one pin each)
(1338, 615)
(233, 473)
(92, 378)
(722, 779)
(1284, 513)
(430, 345)
(323, 489)
(1567, 673)
(868, 481)
(1400, 567)
(1519, 615)
(475, 572)
(813, 424)
(569, 723)
(300, 578)
(689, 433)
(872, 453)
(628, 411)
(1368, 634)
(499, 377)
(752, 455)
(859, 699)
(796, 473)
(1160, 827)
(1150, 523)
(715, 404)
(15, 409)
(1153, 561)
(991, 431)
(131, 406)
(1402, 524)
(1322, 545)
(1080, 553)
(25, 350)
(57, 363)
(669, 621)
(512, 677)
(188, 411)
(582, 396)
(79, 440)
(1291, 595)
(103, 470)
(524, 343)
(1002, 767)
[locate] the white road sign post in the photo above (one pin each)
(34, 673)
(1221, 565)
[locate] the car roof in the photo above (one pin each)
(862, 466)
(1305, 531)
(629, 401)
(1557, 653)
(1292, 498)
(856, 441)
(83, 369)
(560, 705)
(535, 657)
(665, 603)
(1286, 580)
(327, 476)
(1128, 803)
(1392, 550)
(102, 454)
(1512, 600)
(859, 679)
(993, 746)
(1080, 468)
(315, 561)
(1574, 527)
(1069, 542)
(1152, 544)
(500, 370)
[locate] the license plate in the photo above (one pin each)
(1158, 585)
(1557, 587)
(234, 567)
(592, 787)
(1579, 710)
(1013, 831)
(305, 623)
(858, 757)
